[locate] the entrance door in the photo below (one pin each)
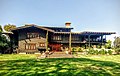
(55, 47)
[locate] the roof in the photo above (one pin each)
(50, 30)
(86, 32)
(68, 32)
(6, 32)
(106, 33)
(26, 26)
(59, 27)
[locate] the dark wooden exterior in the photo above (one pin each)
(33, 38)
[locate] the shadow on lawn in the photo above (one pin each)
(59, 66)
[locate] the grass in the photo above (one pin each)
(99, 65)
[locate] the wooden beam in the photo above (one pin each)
(70, 41)
(47, 41)
(89, 40)
(101, 39)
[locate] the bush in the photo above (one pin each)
(96, 52)
(79, 49)
(102, 52)
(117, 50)
(91, 51)
(110, 52)
(73, 49)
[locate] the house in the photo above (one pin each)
(33, 38)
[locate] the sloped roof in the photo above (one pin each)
(26, 26)
(58, 27)
(50, 30)
(68, 32)
(6, 32)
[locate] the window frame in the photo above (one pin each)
(33, 35)
(30, 46)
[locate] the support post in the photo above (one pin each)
(89, 40)
(70, 41)
(101, 40)
(47, 41)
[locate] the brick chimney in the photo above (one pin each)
(67, 24)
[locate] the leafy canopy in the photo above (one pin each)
(1, 29)
(117, 42)
(8, 27)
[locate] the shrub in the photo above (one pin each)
(79, 49)
(96, 52)
(91, 51)
(110, 52)
(73, 49)
(103, 52)
(117, 50)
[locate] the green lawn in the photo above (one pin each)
(15, 65)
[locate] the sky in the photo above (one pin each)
(85, 15)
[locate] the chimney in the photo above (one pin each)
(67, 24)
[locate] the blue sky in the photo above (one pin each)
(85, 15)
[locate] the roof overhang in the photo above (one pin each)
(87, 33)
(98, 33)
(40, 27)
(7, 32)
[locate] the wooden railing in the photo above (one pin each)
(78, 41)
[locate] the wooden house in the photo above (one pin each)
(33, 38)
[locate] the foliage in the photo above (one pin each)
(100, 52)
(110, 52)
(79, 49)
(1, 29)
(117, 45)
(8, 27)
(108, 44)
(4, 43)
(117, 50)
(73, 49)
(91, 51)
(28, 65)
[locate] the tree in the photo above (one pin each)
(4, 43)
(1, 29)
(8, 27)
(117, 44)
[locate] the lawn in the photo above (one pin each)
(95, 65)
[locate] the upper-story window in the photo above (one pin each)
(32, 35)
(75, 37)
(57, 37)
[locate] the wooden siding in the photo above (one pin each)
(23, 40)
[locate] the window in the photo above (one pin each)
(30, 46)
(75, 37)
(41, 44)
(32, 35)
(58, 37)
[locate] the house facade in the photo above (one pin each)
(33, 38)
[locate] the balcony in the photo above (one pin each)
(79, 41)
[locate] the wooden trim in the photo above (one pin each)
(70, 41)
(47, 41)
